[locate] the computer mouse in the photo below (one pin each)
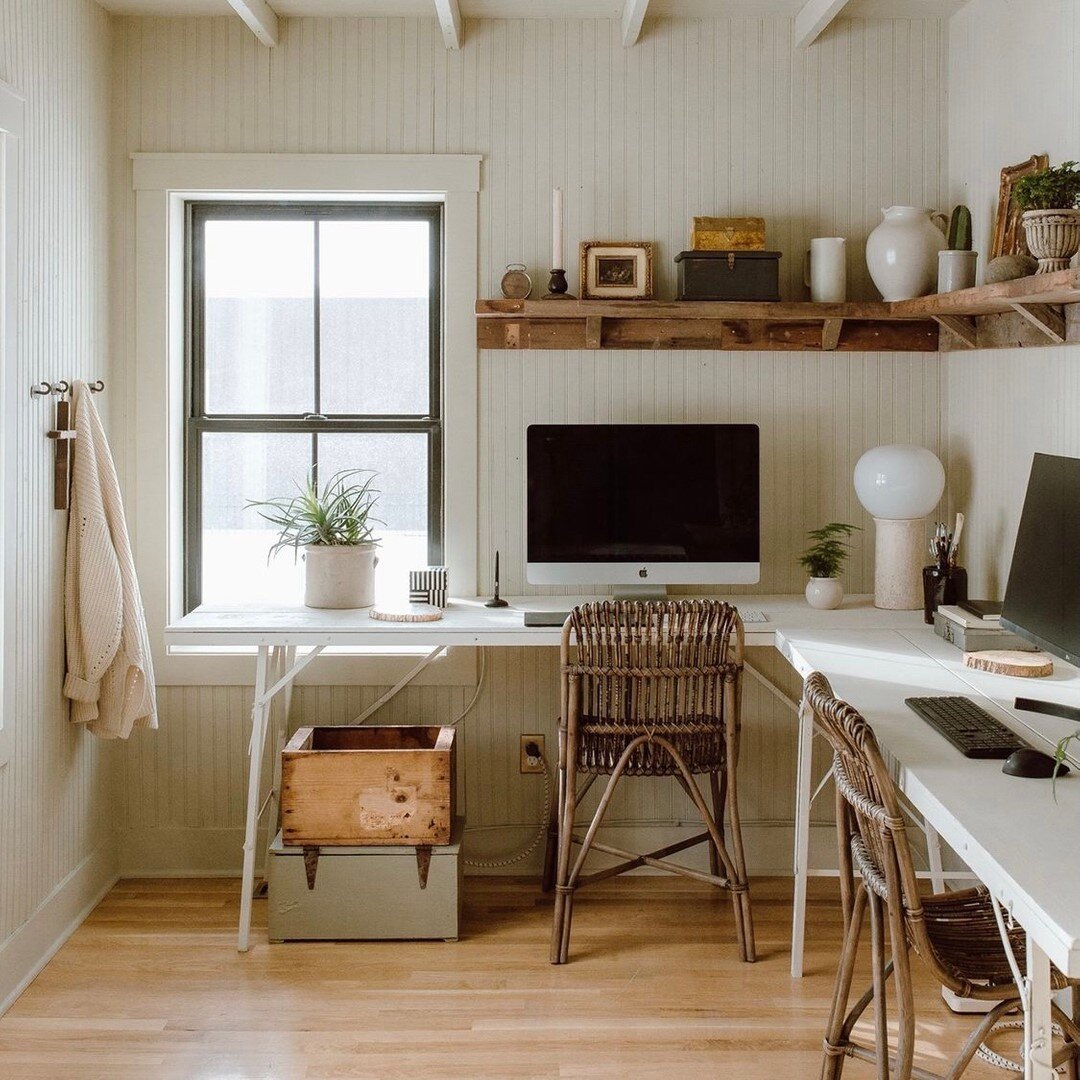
(1027, 761)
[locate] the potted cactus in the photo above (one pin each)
(1051, 219)
(956, 263)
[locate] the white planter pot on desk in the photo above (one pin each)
(339, 575)
(901, 253)
(824, 593)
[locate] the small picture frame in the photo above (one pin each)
(616, 270)
(1009, 236)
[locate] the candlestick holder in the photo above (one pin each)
(557, 287)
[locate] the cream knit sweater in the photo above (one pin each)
(110, 675)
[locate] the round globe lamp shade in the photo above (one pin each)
(899, 485)
(899, 482)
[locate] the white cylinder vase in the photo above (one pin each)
(339, 575)
(956, 270)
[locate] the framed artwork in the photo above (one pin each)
(1008, 230)
(616, 270)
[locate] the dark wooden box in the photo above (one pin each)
(728, 275)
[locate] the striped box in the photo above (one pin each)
(429, 586)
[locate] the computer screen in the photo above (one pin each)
(1042, 599)
(643, 503)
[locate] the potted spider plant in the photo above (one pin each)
(824, 560)
(1050, 216)
(332, 524)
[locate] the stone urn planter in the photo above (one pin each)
(1053, 237)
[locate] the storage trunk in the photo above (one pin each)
(368, 785)
(365, 893)
(728, 275)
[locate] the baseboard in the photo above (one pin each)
(32, 946)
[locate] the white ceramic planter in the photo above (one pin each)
(1053, 237)
(825, 593)
(956, 270)
(901, 253)
(339, 576)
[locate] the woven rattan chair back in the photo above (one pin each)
(659, 669)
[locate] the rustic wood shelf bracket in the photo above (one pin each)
(594, 331)
(830, 334)
(963, 326)
(1046, 318)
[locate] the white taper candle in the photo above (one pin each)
(556, 230)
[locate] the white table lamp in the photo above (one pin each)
(899, 485)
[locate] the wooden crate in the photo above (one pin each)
(368, 785)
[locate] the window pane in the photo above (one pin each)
(235, 539)
(373, 283)
(399, 461)
(260, 318)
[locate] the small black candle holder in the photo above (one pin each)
(557, 287)
(942, 585)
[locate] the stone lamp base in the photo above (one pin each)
(899, 556)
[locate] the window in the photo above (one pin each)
(313, 347)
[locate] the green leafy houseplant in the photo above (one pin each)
(337, 514)
(826, 555)
(1051, 189)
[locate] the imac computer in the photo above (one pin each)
(1042, 599)
(642, 506)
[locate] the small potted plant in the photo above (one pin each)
(333, 525)
(1051, 218)
(956, 263)
(824, 560)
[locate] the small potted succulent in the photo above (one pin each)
(333, 525)
(824, 560)
(956, 263)
(1051, 219)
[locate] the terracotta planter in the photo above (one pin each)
(1053, 237)
(339, 576)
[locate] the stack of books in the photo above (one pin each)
(975, 626)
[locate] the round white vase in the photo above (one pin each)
(825, 593)
(901, 253)
(339, 575)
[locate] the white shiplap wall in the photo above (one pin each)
(1005, 405)
(704, 116)
(54, 792)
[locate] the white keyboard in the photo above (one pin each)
(752, 615)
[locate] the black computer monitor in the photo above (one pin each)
(1042, 600)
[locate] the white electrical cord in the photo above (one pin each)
(992, 1057)
(541, 832)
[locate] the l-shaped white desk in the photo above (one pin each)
(1014, 834)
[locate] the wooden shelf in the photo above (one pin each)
(1035, 310)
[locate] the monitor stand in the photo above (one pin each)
(640, 592)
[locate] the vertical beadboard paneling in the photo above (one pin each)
(704, 116)
(1005, 405)
(54, 791)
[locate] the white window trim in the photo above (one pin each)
(154, 387)
(12, 115)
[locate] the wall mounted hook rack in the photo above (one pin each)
(62, 434)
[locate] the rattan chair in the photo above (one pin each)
(955, 933)
(653, 689)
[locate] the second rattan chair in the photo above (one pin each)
(653, 690)
(955, 933)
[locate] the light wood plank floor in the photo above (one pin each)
(151, 987)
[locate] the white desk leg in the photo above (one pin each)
(933, 856)
(1038, 1041)
(259, 714)
(282, 663)
(801, 861)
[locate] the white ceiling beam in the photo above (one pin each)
(632, 17)
(260, 18)
(449, 13)
(814, 18)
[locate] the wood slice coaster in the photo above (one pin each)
(406, 612)
(1024, 665)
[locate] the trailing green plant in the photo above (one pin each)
(1059, 755)
(1050, 189)
(337, 513)
(960, 229)
(826, 556)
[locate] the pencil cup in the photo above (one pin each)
(942, 585)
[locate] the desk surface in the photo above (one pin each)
(1013, 833)
(468, 622)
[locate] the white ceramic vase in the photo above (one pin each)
(1053, 237)
(825, 269)
(901, 253)
(339, 575)
(956, 270)
(825, 593)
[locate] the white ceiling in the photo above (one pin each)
(520, 9)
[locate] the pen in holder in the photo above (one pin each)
(943, 581)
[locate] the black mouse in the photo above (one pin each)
(1027, 761)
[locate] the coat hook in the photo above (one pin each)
(61, 388)
(97, 386)
(41, 389)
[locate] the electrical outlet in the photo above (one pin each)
(531, 761)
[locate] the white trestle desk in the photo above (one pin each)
(1010, 832)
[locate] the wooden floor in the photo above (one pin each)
(151, 987)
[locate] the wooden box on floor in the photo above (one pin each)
(365, 893)
(368, 785)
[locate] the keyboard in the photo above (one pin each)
(972, 730)
(557, 618)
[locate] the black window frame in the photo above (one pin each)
(197, 422)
